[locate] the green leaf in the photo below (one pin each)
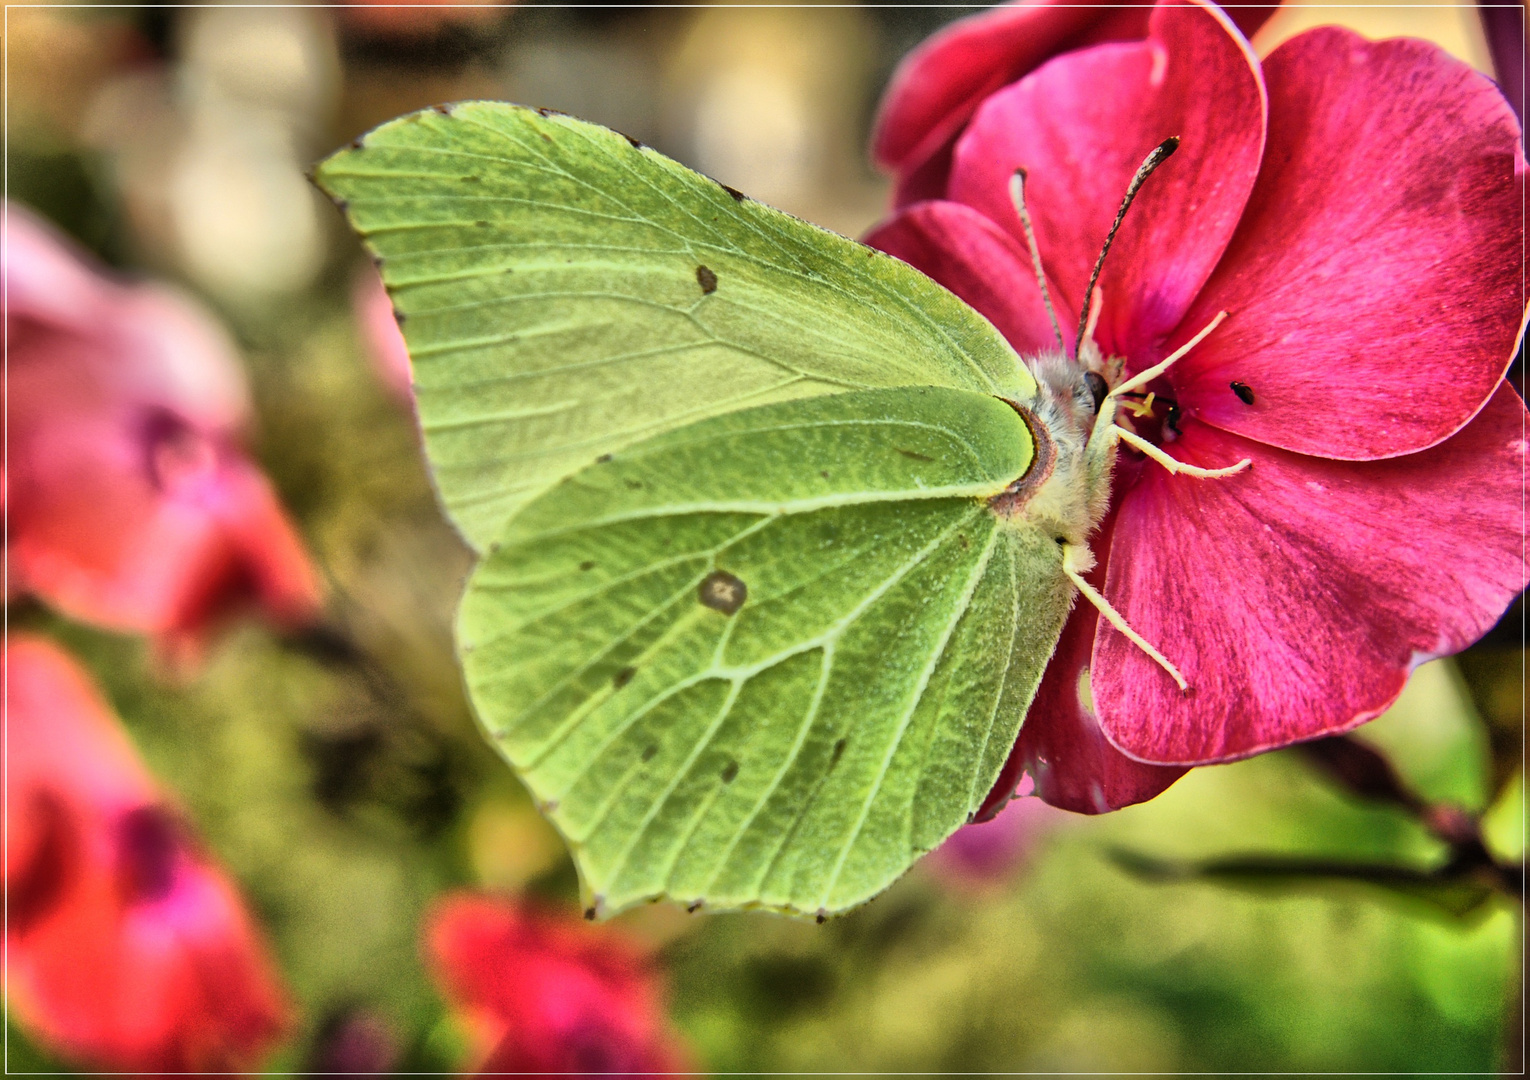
(565, 292)
(771, 658)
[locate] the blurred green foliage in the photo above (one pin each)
(342, 782)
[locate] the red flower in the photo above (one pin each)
(546, 994)
(126, 948)
(131, 504)
(939, 85)
(1356, 209)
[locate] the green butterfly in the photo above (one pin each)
(777, 534)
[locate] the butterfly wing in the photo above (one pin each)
(770, 658)
(745, 623)
(565, 292)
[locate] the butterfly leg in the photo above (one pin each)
(1111, 433)
(1142, 378)
(1137, 442)
(1077, 561)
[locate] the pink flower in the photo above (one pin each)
(1356, 209)
(381, 336)
(131, 504)
(939, 85)
(126, 948)
(987, 852)
(418, 19)
(546, 994)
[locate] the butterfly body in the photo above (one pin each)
(772, 527)
(1069, 502)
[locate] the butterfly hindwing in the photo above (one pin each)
(565, 292)
(772, 657)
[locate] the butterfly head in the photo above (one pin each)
(1067, 489)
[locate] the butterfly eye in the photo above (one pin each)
(1097, 387)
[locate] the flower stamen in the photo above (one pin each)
(1077, 559)
(1140, 409)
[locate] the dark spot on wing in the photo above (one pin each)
(738, 196)
(444, 110)
(913, 454)
(721, 591)
(357, 144)
(588, 564)
(603, 459)
(730, 770)
(822, 916)
(399, 317)
(1244, 392)
(693, 908)
(1097, 388)
(622, 678)
(637, 144)
(706, 279)
(839, 752)
(649, 751)
(589, 913)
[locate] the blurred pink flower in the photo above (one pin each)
(546, 994)
(131, 504)
(939, 85)
(381, 336)
(126, 948)
(417, 18)
(988, 852)
(1356, 208)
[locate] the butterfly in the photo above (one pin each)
(776, 535)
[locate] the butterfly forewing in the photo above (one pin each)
(565, 292)
(770, 658)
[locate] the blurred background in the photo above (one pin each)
(334, 771)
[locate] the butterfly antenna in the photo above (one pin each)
(1017, 196)
(1160, 154)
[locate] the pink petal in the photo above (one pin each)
(980, 263)
(1082, 125)
(44, 279)
(1375, 284)
(133, 957)
(1061, 745)
(939, 85)
(130, 503)
(1297, 596)
(989, 852)
(381, 335)
(544, 992)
